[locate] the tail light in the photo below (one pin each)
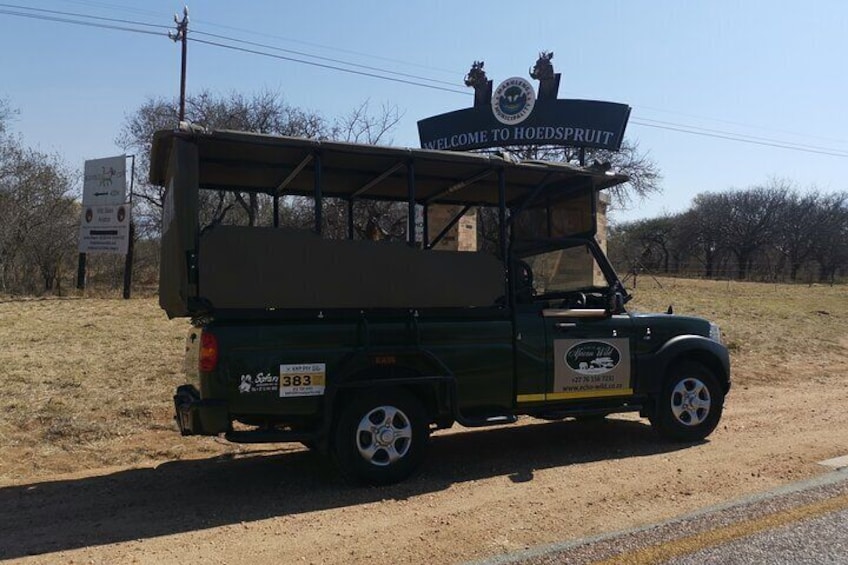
(208, 358)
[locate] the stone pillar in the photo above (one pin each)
(462, 237)
(602, 204)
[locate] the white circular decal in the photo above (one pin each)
(513, 100)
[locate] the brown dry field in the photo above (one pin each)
(92, 468)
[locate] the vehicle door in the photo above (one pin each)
(589, 349)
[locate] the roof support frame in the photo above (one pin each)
(448, 227)
(502, 236)
(527, 201)
(378, 179)
(292, 175)
(317, 194)
(350, 218)
(425, 220)
(410, 213)
(460, 185)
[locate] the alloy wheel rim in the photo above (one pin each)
(690, 401)
(384, 436)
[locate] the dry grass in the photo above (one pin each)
(87, 383)
(82, 380)
(775, 332)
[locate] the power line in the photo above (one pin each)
(742, 124)
(325, 66)
(116, 7)
(740, 135)
(319, 57)
(338, 49)
(54, 16)
(79, 22)
(78, 15)
(730, 137)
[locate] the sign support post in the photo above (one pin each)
(81, 272)
(128, 263)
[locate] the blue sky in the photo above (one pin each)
(773, 70)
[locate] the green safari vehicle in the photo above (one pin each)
(362, 348)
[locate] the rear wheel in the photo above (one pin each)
(381, 436)
(690, 405)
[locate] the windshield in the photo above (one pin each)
(564, 270)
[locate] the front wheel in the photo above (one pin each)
(690, 404)
(381, 436)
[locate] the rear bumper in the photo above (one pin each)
(196, 416)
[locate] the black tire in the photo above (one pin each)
(381, 436)
(591, 418)
(690, 404)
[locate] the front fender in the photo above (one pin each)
(652, 367)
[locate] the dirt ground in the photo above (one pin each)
(481, 493)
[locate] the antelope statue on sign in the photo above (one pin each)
(543, 71)
(476, 78)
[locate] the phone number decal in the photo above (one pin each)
(304, 379)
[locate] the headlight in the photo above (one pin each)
(715, 332)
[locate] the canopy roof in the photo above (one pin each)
(248, 162)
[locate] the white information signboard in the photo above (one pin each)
(105, 229)
(105, 181)
(105, 222)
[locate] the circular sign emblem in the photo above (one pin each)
(592, 357)
(513, 101)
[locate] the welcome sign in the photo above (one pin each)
(516, 115)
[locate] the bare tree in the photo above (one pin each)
(362, 126)
(831, 235)
(653, 240)
(769, 231)
(262, 112)
(798, 222)
(702, 225)
(7, 113)
(752, 222)
(38, 218)
(644, 173)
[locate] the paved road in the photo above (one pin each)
(815, 540)
(802, 523)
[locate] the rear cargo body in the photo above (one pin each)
(255, 359)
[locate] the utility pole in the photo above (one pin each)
(181, 35)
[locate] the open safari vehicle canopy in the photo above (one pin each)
(229, 269)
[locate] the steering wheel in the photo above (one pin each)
(574, 299)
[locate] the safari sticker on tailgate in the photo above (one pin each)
(305, 379)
